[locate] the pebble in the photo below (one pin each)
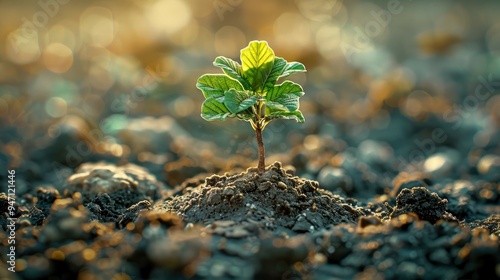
(489, 166)
(440, 256)
(302, 225)
(371, 151)
(214, 197)
(369, 221)
(441, 164)
(282, 185)
(264, 186)
(229, 192)
(237, 232)
(332, 178)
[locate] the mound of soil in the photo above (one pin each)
(114, 193)
(428, 206)
(275, 198)
(119, 221)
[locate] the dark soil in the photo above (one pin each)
(119, 220)
(272, 199)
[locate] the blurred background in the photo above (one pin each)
(399, 85)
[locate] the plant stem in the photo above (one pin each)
(258, 124)
(262, 152)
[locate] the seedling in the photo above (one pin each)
(250, 91)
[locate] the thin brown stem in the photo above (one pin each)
(262, 152)
(258, 124)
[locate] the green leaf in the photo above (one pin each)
(281, 68)
(245, 115)
(216, 84)
(294, 115)
(278, 65)
(272, 106)
(291, 68)
(213, 109)
(237, 101)
(232, 69)
(286, 102)
(287, 87)
(257, 62)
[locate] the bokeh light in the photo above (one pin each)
(168, 16)
(300, 38)
(58, 58)
(97, 27)
(229, 40)
(56, 107)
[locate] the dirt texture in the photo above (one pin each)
(114, 221)
(269, 200)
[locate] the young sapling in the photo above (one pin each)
(250, 91)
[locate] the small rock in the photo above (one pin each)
(228, 192)
(178, 250)
(440, 256)
(214, 197)
(332, 178)
(489, 166)
(237, 232)
(369, 221)
(222, 224)
(265, 186)
(441, 164)
(374, 152)
(302, 225)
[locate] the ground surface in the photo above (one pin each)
(120, 221)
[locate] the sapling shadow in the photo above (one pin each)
(251, 92)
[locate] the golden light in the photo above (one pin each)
(183, 106)
(328, 39)
(168, 16)
(97, 27)
(88, 254)
(229, 40)
(61, 34)
(58, 58)
(320, 10)
(300, 38)
(22, 47)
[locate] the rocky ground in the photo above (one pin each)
(119, 220)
